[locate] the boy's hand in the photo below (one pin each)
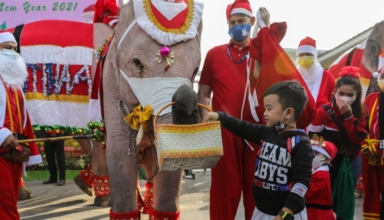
(211, 116)
(345, 110)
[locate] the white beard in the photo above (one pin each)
(13, 70)
(309, 75)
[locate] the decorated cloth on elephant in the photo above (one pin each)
(14, 119)
(227, 73)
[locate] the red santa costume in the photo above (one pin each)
(106, 11)
(373, 162)
(319, 195)
(320, 82)
(13, 119)
(226, 71)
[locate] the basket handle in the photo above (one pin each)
(166, 106)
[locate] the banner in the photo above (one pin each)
(56, 41)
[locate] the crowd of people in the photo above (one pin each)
(282, 168)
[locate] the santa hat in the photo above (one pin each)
(90, 8)
(307, 45)
(328, 149)
(7, 37)
(239, 7)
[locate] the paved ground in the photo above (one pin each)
(70, 203)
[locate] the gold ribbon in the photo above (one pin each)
(371, 145)
(139, 117)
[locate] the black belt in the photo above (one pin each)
(318, 206)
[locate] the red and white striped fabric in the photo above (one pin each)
(63, 51)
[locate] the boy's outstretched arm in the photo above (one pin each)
(243, 129)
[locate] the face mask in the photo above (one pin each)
(306, 61)
(341, 99)
(10, 53)
(380, 83)
(317, 162)
(239, 32)
(280, 125)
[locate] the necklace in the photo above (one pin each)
(230, 56)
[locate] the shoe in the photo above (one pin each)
(49, 181)
(61, 182)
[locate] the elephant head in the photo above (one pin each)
(148, 59)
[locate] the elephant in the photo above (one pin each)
(135, 72)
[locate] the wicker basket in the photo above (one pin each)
(195, 146)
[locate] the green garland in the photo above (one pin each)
(97, 128)
(61, 129)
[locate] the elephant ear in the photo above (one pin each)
(373, 47)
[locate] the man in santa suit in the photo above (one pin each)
(107, 12)
(238, 74)
(320, 82)
(14, 122)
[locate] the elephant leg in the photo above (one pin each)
(85, 180)
(100, 175)
(167, 191)
(24, 192)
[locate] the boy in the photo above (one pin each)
(284, 161)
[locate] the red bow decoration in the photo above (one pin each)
(350, 71)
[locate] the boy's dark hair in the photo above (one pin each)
(291, 94)
(356, 106)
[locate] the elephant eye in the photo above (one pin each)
(136, 66)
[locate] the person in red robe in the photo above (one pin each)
(107, 12)
(320, 82)
(372, 155)
(319, 195)
(238, 74)
(14, 122)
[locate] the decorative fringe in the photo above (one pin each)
(134, 215)
(101, 185)
(148, 198)
(87, 176)
(159, 215)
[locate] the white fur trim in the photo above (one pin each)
(3, 103)
(94, 110)
(321, 168)
(242, 11)
(169, 9)
(75, 55)
(315, 129)
(111, 23)
(4, 133)
(306, 49)
(318, 81)
(72, 114)
(36, 159)
(376, 74)
(167, 38)
(321, 150)
(7, 37)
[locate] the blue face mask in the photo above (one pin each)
(239, 32)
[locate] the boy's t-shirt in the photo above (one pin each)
(283, 166)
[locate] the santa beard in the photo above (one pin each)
(309, 75)
(13, 70)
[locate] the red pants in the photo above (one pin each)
(233, 174)
(10, 177)
(373, 181)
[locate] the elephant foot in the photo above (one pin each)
(83, 185)
(134, 215)
(102, 201)
(159, 215)
(25, 193)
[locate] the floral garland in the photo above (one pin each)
(99, 52)
(60, 129)
(97, 128)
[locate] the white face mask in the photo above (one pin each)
(317, 162)
(156, 91)
(10, 53)
(341, 99)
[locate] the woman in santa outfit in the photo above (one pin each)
(14, 122)
(319, 195)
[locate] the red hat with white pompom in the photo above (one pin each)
(326, 148)
(239, 7)
(307, 45)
